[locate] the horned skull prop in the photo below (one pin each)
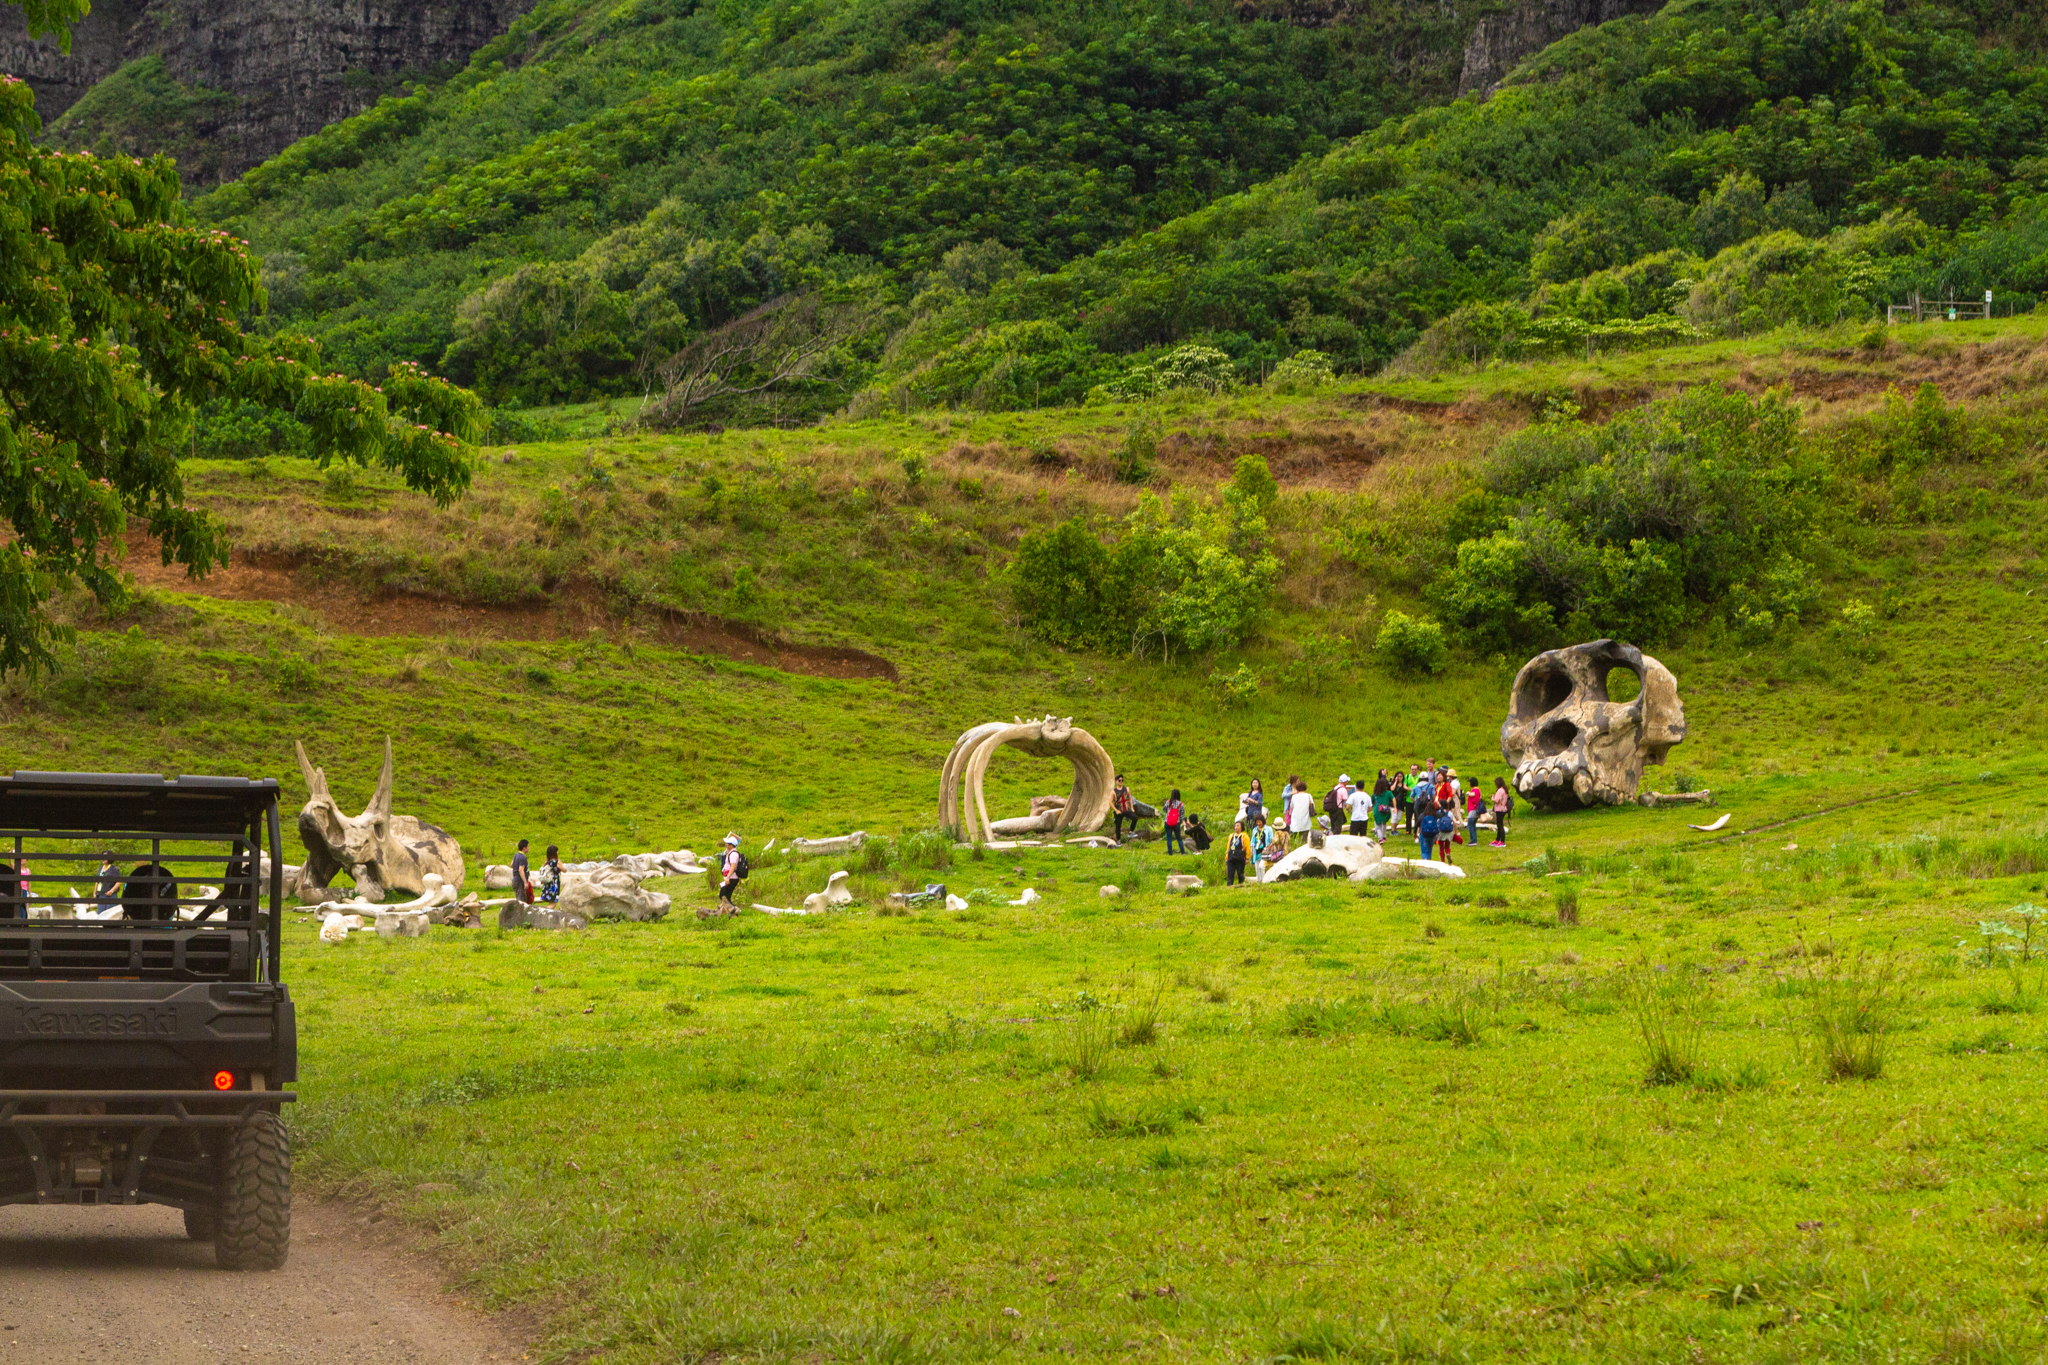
(381, 851)
(1087, 805)
(1571, 745)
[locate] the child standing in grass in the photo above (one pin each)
(551, 877)
(1236, 849)
(1174, 813)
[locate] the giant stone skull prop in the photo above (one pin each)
(380, 851)
(1570, 744)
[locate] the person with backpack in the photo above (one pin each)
(1503, 802)
(1335, 800)
(1474, 804)
(1446, 830)
(1382, 805)
(1236, 849)
(1174, 813)
(1423, 816)
(1422, 799)
(732, 870)
(1125, 807)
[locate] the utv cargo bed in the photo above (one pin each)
(145, 1032)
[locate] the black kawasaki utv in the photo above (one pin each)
(144, 1033)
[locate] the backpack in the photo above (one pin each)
(1331, 805)
(743, 867)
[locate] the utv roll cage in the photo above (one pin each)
(145, 1030)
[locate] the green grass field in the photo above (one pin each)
(1316, 1121)
(1312, 1121)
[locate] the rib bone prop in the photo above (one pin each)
(1087, 805)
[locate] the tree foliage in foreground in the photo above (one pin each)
(117, 317)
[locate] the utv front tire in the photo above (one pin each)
(202, 1225)
(255, 1226)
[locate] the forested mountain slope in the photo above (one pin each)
(604, 181)
(1720, 167)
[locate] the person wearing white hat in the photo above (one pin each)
(732, 867)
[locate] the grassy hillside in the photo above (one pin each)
(1421, 1122)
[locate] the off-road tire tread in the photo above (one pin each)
(202, 1225)
(255, 1229)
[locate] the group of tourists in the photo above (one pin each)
(1429, 802)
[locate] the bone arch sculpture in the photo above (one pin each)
(1049, 737)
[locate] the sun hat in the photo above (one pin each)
(1344, 777)
(733, 839)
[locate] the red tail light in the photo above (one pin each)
(223, 1080)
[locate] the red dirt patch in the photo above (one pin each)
(574, 613)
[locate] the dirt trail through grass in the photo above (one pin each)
(126, 1285)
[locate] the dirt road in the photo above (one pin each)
(123, 1286)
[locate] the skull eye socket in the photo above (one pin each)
(1555, 737)
(1545, 692)
(1621, 684)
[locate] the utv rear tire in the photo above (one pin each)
(202, 1225)
(255, 1227)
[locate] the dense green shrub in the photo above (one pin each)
(1191, 576)
(1627, 528)
(1411, 644)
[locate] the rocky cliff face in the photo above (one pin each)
(290, 67)
(1501, 40)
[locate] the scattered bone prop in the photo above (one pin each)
(1086, 806)
(380, 851)
(1183, 882)
(1410, 869)
(835, 893)
(843, 843)
(1705, 798)
(610, 893)
(517, 915)
(1720, 823)
(1030, 897)
(1570, 745)
(1350, 856)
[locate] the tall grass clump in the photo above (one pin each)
(932, 848)
(1140, 1025)
(1852, 1004)
(1669, 1010)
(1091, 1032)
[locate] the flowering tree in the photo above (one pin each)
(118, 317)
